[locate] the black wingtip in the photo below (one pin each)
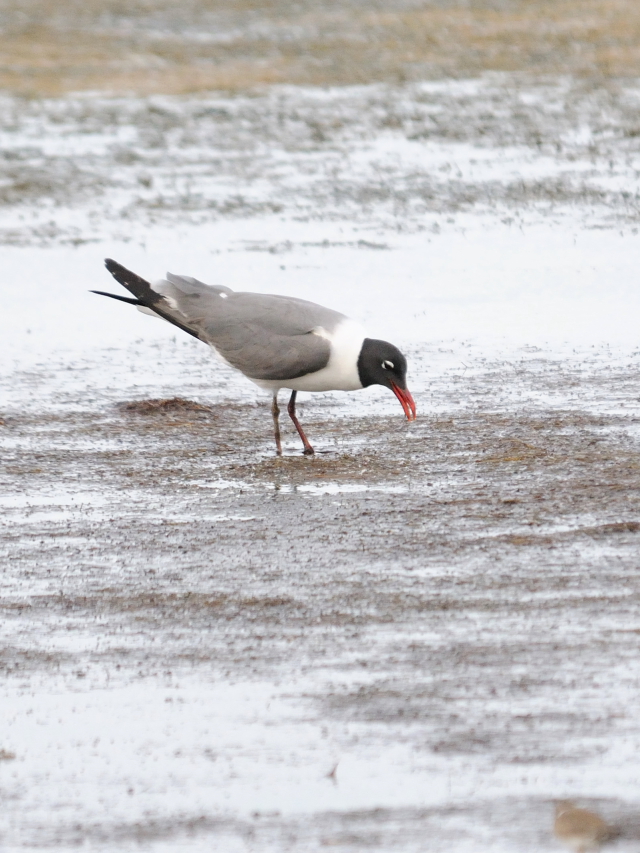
(116, 269)
(144, 294)
(136, 285)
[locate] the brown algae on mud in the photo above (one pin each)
(168, 406)
(359, 465)
(527, 460)
(239, 422)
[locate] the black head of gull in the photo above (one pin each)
(276, 341)
(380, 363)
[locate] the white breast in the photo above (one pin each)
(341, 373)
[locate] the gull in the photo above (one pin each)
(276, 341)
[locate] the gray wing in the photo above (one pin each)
(264, 336)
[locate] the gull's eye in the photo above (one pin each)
(388, 365)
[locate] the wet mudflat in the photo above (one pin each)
(418, 638)
(426, 628)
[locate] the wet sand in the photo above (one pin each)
(463, 588)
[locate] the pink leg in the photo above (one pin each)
(291, 408)
(275, 411)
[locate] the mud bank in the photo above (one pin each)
(448, 612)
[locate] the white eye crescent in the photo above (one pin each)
(388, 365)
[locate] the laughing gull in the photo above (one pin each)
(276, 341)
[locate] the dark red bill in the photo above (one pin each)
(406, 401)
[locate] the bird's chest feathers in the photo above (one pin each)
(341, 372)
